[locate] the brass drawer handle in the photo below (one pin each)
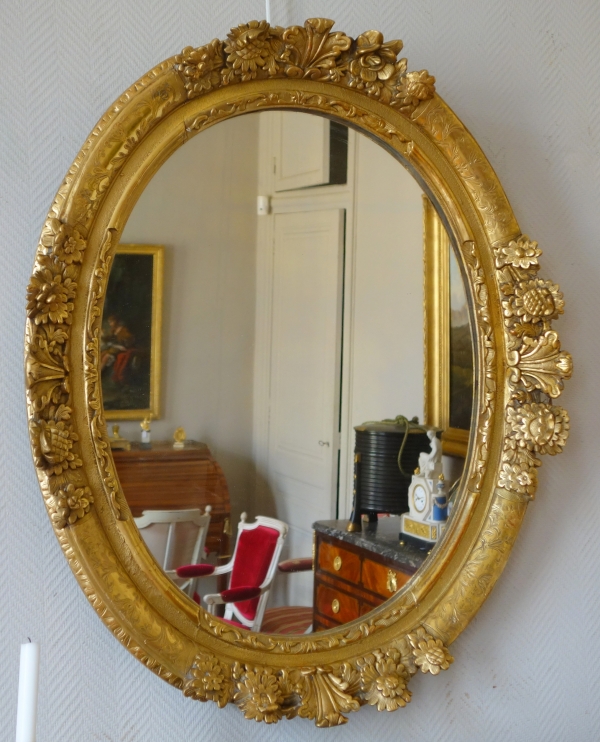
(337, 563)
(335, 605)
(392, 581)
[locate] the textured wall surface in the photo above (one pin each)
(524, 76)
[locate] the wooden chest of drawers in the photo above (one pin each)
(167, 478)
(355, 572)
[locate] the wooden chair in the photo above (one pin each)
(252, 569)
(176, 537)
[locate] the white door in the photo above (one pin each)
(305, 377)
(302, 150)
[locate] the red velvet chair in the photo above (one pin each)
(252, 568)
(290, 619)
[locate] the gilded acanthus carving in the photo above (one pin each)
(51, 298)
(540, 364)
(323, 103)
(257, 50)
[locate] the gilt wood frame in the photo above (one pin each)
(436, 331)
(519, 370)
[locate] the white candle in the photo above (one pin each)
(268, 11)
(28, 692)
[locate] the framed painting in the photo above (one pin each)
(448, 341)
(130, 358)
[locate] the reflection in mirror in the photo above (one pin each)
(290, 292)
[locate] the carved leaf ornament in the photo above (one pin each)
(521, 370)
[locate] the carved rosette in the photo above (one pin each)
(535, 364)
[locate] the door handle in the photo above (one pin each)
(324, 443)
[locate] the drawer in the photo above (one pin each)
(336, 604)
(339, 562)
(381, 579)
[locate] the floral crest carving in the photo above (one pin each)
(257, 50)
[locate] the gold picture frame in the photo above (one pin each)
(519, 370)
(437, 257)
(144, 309)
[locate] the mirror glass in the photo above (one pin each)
(269, 295)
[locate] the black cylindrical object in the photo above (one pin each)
(380, 486)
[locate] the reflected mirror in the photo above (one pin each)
(286, 345)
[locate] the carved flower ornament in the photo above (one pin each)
(208, 682)
(72, 503)
(520, 253)
(430, 654)
(53, 441)
(251, 46)
(518, 477)
(375, 62)
(535, 301)
(259, 696)
(386, 681)
(539, 427)
(201, 68)
(50, 295)
(419, 86)
(65, 242)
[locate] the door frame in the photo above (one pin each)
(302, 200)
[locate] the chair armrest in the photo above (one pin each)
(305, 564)
(233, 595)
(195, 570)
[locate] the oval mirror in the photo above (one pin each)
(267, 299)
(288, 384)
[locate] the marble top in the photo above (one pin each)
(381, 538)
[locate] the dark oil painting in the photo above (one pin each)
(127, 333)
(461, 352)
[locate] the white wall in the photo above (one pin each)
(523, 76)
(202, 206)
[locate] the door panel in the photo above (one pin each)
(305, 363)
(303, 153)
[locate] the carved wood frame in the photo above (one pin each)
(519, 371)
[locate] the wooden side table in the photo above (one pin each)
(167, 478)
(356, 572)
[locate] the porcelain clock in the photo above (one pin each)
(427, 501)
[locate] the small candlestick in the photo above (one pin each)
(116, 442)
(179, 436)
(28, 692)
(146, 435)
